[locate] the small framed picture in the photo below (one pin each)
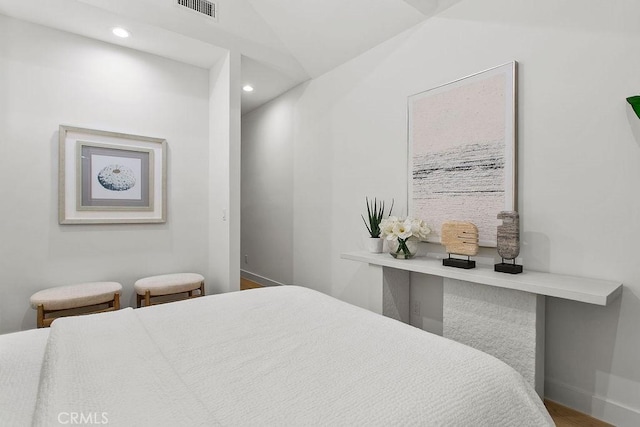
(108, 177)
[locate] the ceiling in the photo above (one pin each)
(282, 42)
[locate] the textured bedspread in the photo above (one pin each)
(21, 356)
(275, 356)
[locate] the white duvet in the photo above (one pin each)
(274, 356)
(21, 356)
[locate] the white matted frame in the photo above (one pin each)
(462, 151)
(111, 178)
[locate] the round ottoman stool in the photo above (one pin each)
(83, 298)
(168, 284)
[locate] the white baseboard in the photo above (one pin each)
(597, 406)
(264, 281)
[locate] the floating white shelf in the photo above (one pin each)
(592, 291)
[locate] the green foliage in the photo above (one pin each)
(375, 213)
(635, 104)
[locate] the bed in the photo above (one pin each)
(274, 356)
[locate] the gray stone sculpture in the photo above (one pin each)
(509, 242)
(509, 235)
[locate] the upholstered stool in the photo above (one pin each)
(168, 284)
(83, 298)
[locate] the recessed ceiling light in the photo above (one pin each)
(247, 88)
(120, 32)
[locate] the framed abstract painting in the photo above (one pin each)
(107, 177)
(462, 152)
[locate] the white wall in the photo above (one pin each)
(224, 174)
(579, 168)
(267, 193)
(48, 78)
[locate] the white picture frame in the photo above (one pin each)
(462, 152)
(110, 178)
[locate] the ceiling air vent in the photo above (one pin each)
(203, 7)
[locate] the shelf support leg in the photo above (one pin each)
(396, 288)
(506, 323)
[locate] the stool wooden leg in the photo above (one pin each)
(40, 319)
(139, 300)
(147, 298)
(116, 301)
(202, 289)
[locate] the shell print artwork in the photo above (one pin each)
(117, 178)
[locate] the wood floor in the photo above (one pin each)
(248, 284)
(562, 416)
(567, 417)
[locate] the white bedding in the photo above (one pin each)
(276, 356)
(21, 356)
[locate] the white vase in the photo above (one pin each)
(374, 244)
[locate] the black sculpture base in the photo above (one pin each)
(508, 268)
(459, 263)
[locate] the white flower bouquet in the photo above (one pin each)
(403, 235)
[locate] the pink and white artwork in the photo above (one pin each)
(462, 152)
